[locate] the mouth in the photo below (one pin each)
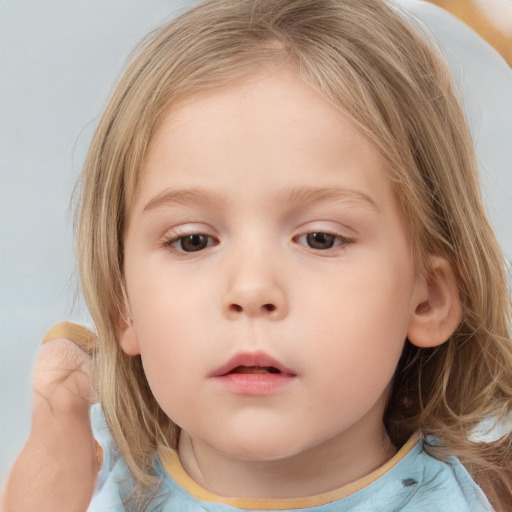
(255, 369)
(253, 374)
(252, 363)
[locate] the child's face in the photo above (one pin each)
(266, 233)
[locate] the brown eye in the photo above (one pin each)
(194, 243)
(320, 240)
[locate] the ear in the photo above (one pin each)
(438, 310)
(127, 335)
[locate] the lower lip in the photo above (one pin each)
(255, 384)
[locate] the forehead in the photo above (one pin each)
(268, 126)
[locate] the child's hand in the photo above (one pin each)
(57, 468)
(62, 377)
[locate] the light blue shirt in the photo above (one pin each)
(412, 481)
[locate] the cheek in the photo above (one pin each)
(171, 337)
(361, 304)
(356, 331)
(355, 366)
(171, 365)
(168, 300)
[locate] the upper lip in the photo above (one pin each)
(248, 359)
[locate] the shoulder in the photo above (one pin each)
(414, 481)
(115, 481)
(107, 497)
(438, 485)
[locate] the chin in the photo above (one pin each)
(261, 448)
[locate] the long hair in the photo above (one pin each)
(370, 63)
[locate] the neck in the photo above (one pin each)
(337, 462)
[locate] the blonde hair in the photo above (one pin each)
(370, 63)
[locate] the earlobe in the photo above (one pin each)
(438, 311)
(127, 336)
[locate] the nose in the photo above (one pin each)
(254, 290)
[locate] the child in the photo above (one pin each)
(298, 299)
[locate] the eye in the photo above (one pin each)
(191, 243)
(322, 241)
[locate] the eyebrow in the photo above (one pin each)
(310, 195)
(291, 195)
(185, 197)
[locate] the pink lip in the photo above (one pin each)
(255, 384)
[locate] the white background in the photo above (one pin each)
(58, 61)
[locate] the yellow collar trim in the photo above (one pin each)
(172, 465)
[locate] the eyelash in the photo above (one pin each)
(339, 241)
(170, 243)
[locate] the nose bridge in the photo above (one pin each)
(254, 283)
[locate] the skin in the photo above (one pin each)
(254, 167)
(57, 468)
(334, 316)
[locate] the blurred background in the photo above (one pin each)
(491, 19)
(58, 61)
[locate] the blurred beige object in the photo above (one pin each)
(499, 12)
(491, 19)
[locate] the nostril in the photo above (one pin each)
(236, 308)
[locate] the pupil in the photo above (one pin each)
(194, 243)
(320, 240)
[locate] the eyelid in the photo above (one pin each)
(173, 235)
(341, 238)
